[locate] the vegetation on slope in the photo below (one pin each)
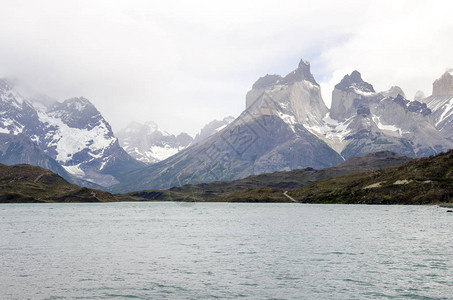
(25, 183)
(269, 187)
(416, 181)
(421, 181)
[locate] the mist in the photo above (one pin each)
(182, 65)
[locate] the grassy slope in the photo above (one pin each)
(422, 181)
(425, 181)
(25, 183)
(428, 180)
(269, 187)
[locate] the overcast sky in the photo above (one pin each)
(185, 63)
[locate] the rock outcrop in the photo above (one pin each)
(441, 104)
(444, 85)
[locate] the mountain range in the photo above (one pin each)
(285, 126)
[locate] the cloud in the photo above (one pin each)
(404, 43)
(184, 63)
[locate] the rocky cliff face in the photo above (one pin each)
(349, 95)
(441, 104)
(297, 95)
(444, 85)
(73, 133)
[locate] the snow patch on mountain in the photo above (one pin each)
(288, 119)
(392, 128)
(447, 111)
(358, 91)
(68, 141)
(10, 126)
(161, 153)
(332, 132)
(75, 170)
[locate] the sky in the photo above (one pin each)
(183, 64)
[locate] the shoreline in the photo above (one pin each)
(442, 205)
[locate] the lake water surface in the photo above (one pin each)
(224, 250)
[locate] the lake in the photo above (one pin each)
(225, 250)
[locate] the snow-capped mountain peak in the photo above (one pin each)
(148, 144)
(354, 83)
(78, 113)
